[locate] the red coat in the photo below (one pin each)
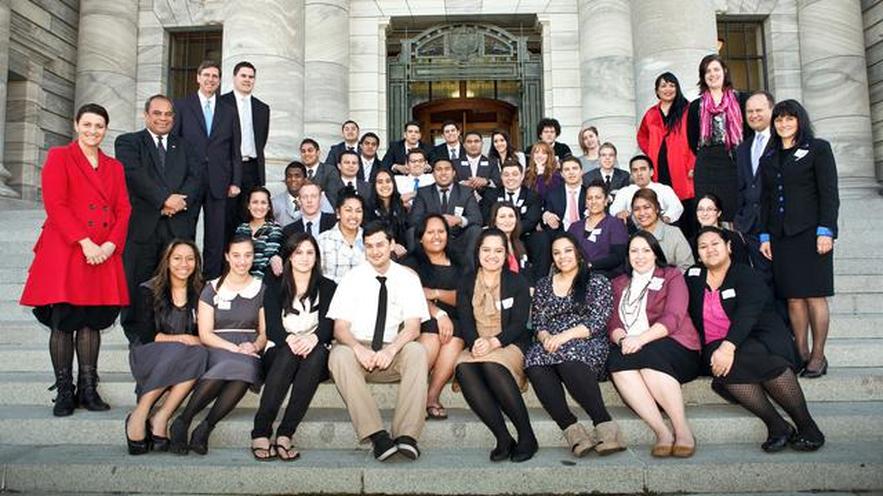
(80, 202)
(681, 160)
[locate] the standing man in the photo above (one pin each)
(254, 123)
(162, 176)
(451, 148)
(369, 164)
(476, 170)
(396, 158)
(377, 311)
(350, 132)
(212, 128)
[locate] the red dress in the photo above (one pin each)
(80, 202)
(680, 158)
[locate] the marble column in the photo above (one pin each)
(4, 70)
(835, 85)
(671, 35)
(327, 71)
(270, 35)
(107, 61)
(607, 72)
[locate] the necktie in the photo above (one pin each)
(607, 181)
(309, 229)
(416, 183)
(444, 200)
(453, 153)
(349, 184)
(161, 150)
(246, 124)
(310, 173)
(572, 206)
(756, 150)
(511, 197)
(296, 204)
(380, 323)
(209, 115)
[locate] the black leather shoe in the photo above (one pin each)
(815, 373)
(199, 438)
(503, 450)
(778, 443)
(158, 443)
(384, 446)
(66, 400)
(87, 390)
(524, 450)
(178, 437)
(139, 447)
(802, 443)
(407, 446)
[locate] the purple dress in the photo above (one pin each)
(604, 246)
(542, 188)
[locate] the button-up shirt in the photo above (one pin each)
(338, 255)
(668, 201)
(246, 124)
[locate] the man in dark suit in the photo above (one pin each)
(566, 203)
(369, 162)
(211, 127)
(476, 170)
(451, 148)
(312, 219)
(758, 112)
(458, 205)
(608, 173)
(350, 131)
(254, 125)
(162, 177)
(347, 177)
(548, 130)
(317, 172)
(396, 158)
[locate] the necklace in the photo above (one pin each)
(630, 308)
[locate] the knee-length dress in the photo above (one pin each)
(443, 277)
(555, 314)
(236, 320)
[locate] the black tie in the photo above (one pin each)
(309, 227)
(162, 152)
(380, 323)
(444, 200)
(511, 200)
(607, 182)
(310, 174)
(349, 184)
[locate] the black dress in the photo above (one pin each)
(444, 277)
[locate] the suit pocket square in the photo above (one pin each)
(799, 154)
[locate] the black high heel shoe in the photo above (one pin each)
(503, 450)
(815, 374)
(774, 444)
(178, 437)
(139, 447)
(158, 443)
(199, 438)
(524, 450)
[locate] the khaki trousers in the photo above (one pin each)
(409, 366)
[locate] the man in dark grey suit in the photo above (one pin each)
(162, 178)
(451, 149)
(350, 131)
(474, 169)
(347, 177)
(396, 158)
(458, 205)
(317, 173)
(607, 172)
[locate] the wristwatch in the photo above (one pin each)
(440, 314)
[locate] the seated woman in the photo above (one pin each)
(569, 316)
(708, 213)
(657, 348)
(440, 335)
(493, 304)
(166, 354)
(542, 174)
(602, 237)
(297, 355)
(386, 204)
(645, 209)
(746, 346)
(231, 325)
(264, 232)
(505, 217)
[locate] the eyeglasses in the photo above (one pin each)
(706, 209)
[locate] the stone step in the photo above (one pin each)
(841, 384)
(853, 466)
(331, 427)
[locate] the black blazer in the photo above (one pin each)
(336, 185)
(513, 318)
(149, 185)
(441, 151)
(395, 154)
(620, 178)
(273, 311)
(260, 118)
(326, 222)
(427, 201)
(751, 310)
(528, 203)
(488, 168)
(556, 202)
(147, 323)
(693, 130)
(809, 184)
(221, 162)
(335, 151)
(750, 186)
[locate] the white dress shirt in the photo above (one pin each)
(668, 200)
(246, 125)
(405, 184)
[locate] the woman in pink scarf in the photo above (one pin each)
(715, 127)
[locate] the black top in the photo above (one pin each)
(737, 244)
(515, 301)
(273, 310)
(693, 120)
(444, 277)
(395, 217)
(173, 320)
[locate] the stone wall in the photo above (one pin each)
(872, 16)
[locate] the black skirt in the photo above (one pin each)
(715, 172)
(665, 355)
(753, 363)
(431, 326)
(798, 269)
(69, 318)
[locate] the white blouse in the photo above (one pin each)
(633, 304)
(304, 322)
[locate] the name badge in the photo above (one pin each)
(728, 293)
(523, 209)
(655, 284)
(223, 305)
(505, 304)
(800, 153)
(694, 271)
(458, 211)
(593, 237)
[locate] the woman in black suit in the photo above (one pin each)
(745, 345)
(798, 223)
(493, 304)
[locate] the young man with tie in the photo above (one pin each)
(417, 177)
(566, 203)
(397, 154)
(451, 148)
(322, 174)
(476, 170)
(313, 220)
(348, 177)
(607, 172)
(369, 164)
(350, 132)
(377, 311)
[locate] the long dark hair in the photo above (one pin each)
(661, 261)
(678, 106)
(515, 238)
(583, 272)
(792, 108)
(235, 240)
(375, 204)
(161, 284)
(424, 267)
(259, 189)
(289, 287)
(510, 150)
(490, 233)
(703, 66)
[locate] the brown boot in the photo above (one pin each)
(609, 437)
(579, 439)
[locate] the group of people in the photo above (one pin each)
(493, 270)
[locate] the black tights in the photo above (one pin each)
(489, 388)
(228, 394)
(582, 383)
(784, 390)
(61, 348)
(303, 375)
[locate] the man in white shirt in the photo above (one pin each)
(451, 148)
(407, 185)
(642, 174)
(378, 308)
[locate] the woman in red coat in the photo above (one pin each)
(76, 282)
(663, 137)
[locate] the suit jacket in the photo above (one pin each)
(326, 222)
(395, 154)
(441, 151)
(325, 177)
(528, 203)
(620, 179)
(427, 201)
(335, 151)
(749, 305)
(808, 179)
(150, 185)
(260, 118)
(488, 168)
(747, 218)
(514, 309)
(283, 209)
(556, 202)
(375, 168)
(335, 185)
(219, 152)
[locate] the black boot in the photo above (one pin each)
(65, 401)
(87, 390)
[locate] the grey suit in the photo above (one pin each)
(461, 202)
(283, 209)
(326, 177)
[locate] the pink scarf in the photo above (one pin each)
(729, 106)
